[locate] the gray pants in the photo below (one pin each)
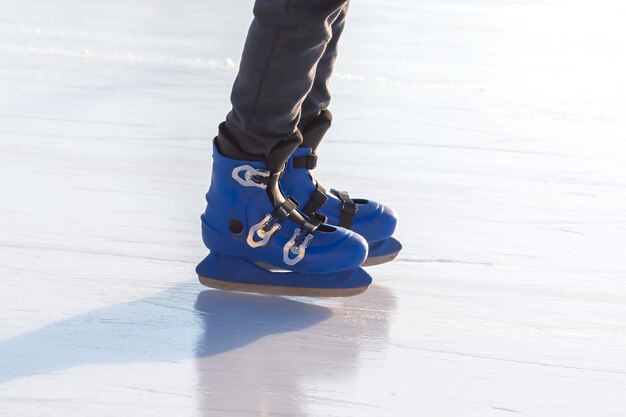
(285, 67)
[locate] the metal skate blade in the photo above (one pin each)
(270, 267)
(377, 260)
(280, 290)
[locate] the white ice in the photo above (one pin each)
(495, 128)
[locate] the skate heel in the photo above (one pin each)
(227, 272)
(213, 239)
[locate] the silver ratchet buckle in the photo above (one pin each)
(261, 231)
(293, 248)
(248, 177)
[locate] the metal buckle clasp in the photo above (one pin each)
(248, 176)
(293, 248)
(261, 230)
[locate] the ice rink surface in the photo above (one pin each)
(495, 128)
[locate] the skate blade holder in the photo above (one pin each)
(262, 231)
(293, 248)
(252, 177)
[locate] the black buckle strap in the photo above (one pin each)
(260, 179)
(317, 200)
(266, 179)
(305, 162)
(348, 208)
(285, 209)
(313, 223)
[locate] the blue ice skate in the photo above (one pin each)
(251, 228)
(372, 220)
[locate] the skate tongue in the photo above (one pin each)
(279, 155)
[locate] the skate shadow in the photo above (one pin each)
(232, 320)
(163, 327)
(274, 375)
(254, 354)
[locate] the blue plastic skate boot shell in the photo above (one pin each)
(235, 269)
(335, 249)
(374, 221)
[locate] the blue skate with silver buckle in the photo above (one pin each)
(372, 220)
(251, 228)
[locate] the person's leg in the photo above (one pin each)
(286, 40)
(315, 117)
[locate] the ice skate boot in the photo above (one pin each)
(251, 228)
(372, 220)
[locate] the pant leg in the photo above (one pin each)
(318, 98)
(286, 40)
